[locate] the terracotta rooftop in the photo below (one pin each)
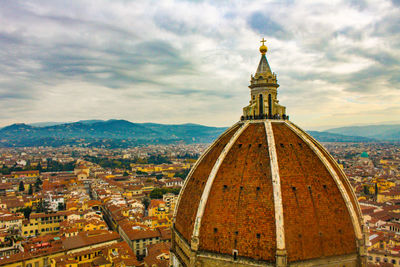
(88, 238)
(158, 254)
(320, 213)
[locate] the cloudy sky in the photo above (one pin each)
(178, 61)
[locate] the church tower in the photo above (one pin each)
(264, 92)
(266, 193)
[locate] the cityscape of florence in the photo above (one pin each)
(199, 133)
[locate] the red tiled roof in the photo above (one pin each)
(239, 212)
(89, 238)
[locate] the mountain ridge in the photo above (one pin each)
(123, 133)
(383, 132)
(110, 131)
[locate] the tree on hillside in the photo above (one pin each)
(39, 167)
(26, 211)
(61, 206)
(182, 174)
(5, 170)
(37, 184)
(157, 193)
(42, 206)
(30, 191)
(146, 202)
(21, 186)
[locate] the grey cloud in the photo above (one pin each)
(264, 25)
(10, 94)
(364, 81)
(189, 92)
(9, 39)
(118, 61)
(74, 59)
(381, 57)
(92, 25)
(17, 89)
(396, 2)
(348, 32)
(171, 24)
(359, 4)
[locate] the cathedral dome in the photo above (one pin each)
(266, 193)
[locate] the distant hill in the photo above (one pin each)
(332, 137)
(379, 132)
(122, 133)
(53, 123)
(111, 133)
(46, 123)
(90, 121)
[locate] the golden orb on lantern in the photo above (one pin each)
(263, 47)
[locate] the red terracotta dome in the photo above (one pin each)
(267, 193)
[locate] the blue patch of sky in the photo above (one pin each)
(265, 25)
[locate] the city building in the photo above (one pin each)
(265, 193)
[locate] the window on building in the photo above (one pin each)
(393, 261)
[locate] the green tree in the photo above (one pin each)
(42, 206)
(5, 170)
(156, 193)
(126, 173)
(175, 191)
(39, 167)
(30, 191)
(182, 174)
(26, 211)
(61, 206)
(146, 202)
(37, 184)
(21, 186)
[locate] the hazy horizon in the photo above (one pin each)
(320, 128)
